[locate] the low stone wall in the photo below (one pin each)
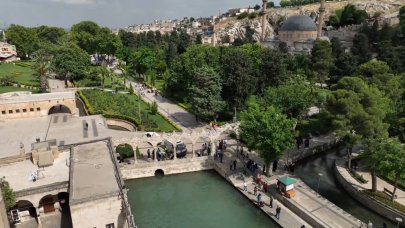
(296, 155)
(366, 200)
(121, 123)
(296, 208)
(134, 171)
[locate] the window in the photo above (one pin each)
(10, 111)
(31, 109)
(17, 110)
(38, 109)
(3, 112)
(24, 110)
(111, 225)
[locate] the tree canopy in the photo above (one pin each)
(266, 130)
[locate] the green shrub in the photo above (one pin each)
(243, 15)
(125, 150)
(154, 108)
(252, 15)
(86, 102)
(358, 177)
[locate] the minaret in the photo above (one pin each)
(320, 19)
(264, 20)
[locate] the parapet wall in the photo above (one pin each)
(366, 200)
(120, 123)
(134, 171)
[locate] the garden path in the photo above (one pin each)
(180, 116)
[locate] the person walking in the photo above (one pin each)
(271, 201)
(234, 164)
(278, 211)
(255, 190)
(244, 186)
(259, 198)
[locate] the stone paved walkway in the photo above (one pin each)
(287, 217)
(168, 108)
(381, 184)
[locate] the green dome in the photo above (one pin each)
(298, 23)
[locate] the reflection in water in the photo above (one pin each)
(308, 171)
(199, 199)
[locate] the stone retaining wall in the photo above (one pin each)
(133, 171)
(120, 123)
(296, 155)
(366, 200)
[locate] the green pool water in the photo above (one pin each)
(199, 199)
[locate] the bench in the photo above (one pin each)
(389, 193)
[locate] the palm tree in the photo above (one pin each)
(104, 72)
(42, 65)
(124, 69)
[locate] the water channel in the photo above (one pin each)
(199, 199)
(154, 200)
(308, 170)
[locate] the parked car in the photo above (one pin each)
(181, 149)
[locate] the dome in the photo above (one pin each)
(298, 23)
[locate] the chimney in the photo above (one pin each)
(264, 20)
(320, 19)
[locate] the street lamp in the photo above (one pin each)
(399, 220)
(319, 180)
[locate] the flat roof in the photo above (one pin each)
(92, 172)
(287, 180)
(18, 174)
(25, 97)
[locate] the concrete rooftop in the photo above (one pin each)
(92, 172)
(22, 97)
(18, 174)
(62, 127)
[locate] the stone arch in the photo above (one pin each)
(126, 151)
(159, 172)
(26, 208)
(201, 145)
(59, 108)
(47, 203)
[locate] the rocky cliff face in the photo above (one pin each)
(234, 28)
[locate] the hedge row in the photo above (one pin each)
(91, 111)
(177, 127)
(22, 64)
(86, 102)
(124, 117)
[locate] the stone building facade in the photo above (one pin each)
(19, 105)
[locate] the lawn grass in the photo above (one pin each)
(22, 74)
(85, 82)
(159, 83)
(127, 105)
(7, 89)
